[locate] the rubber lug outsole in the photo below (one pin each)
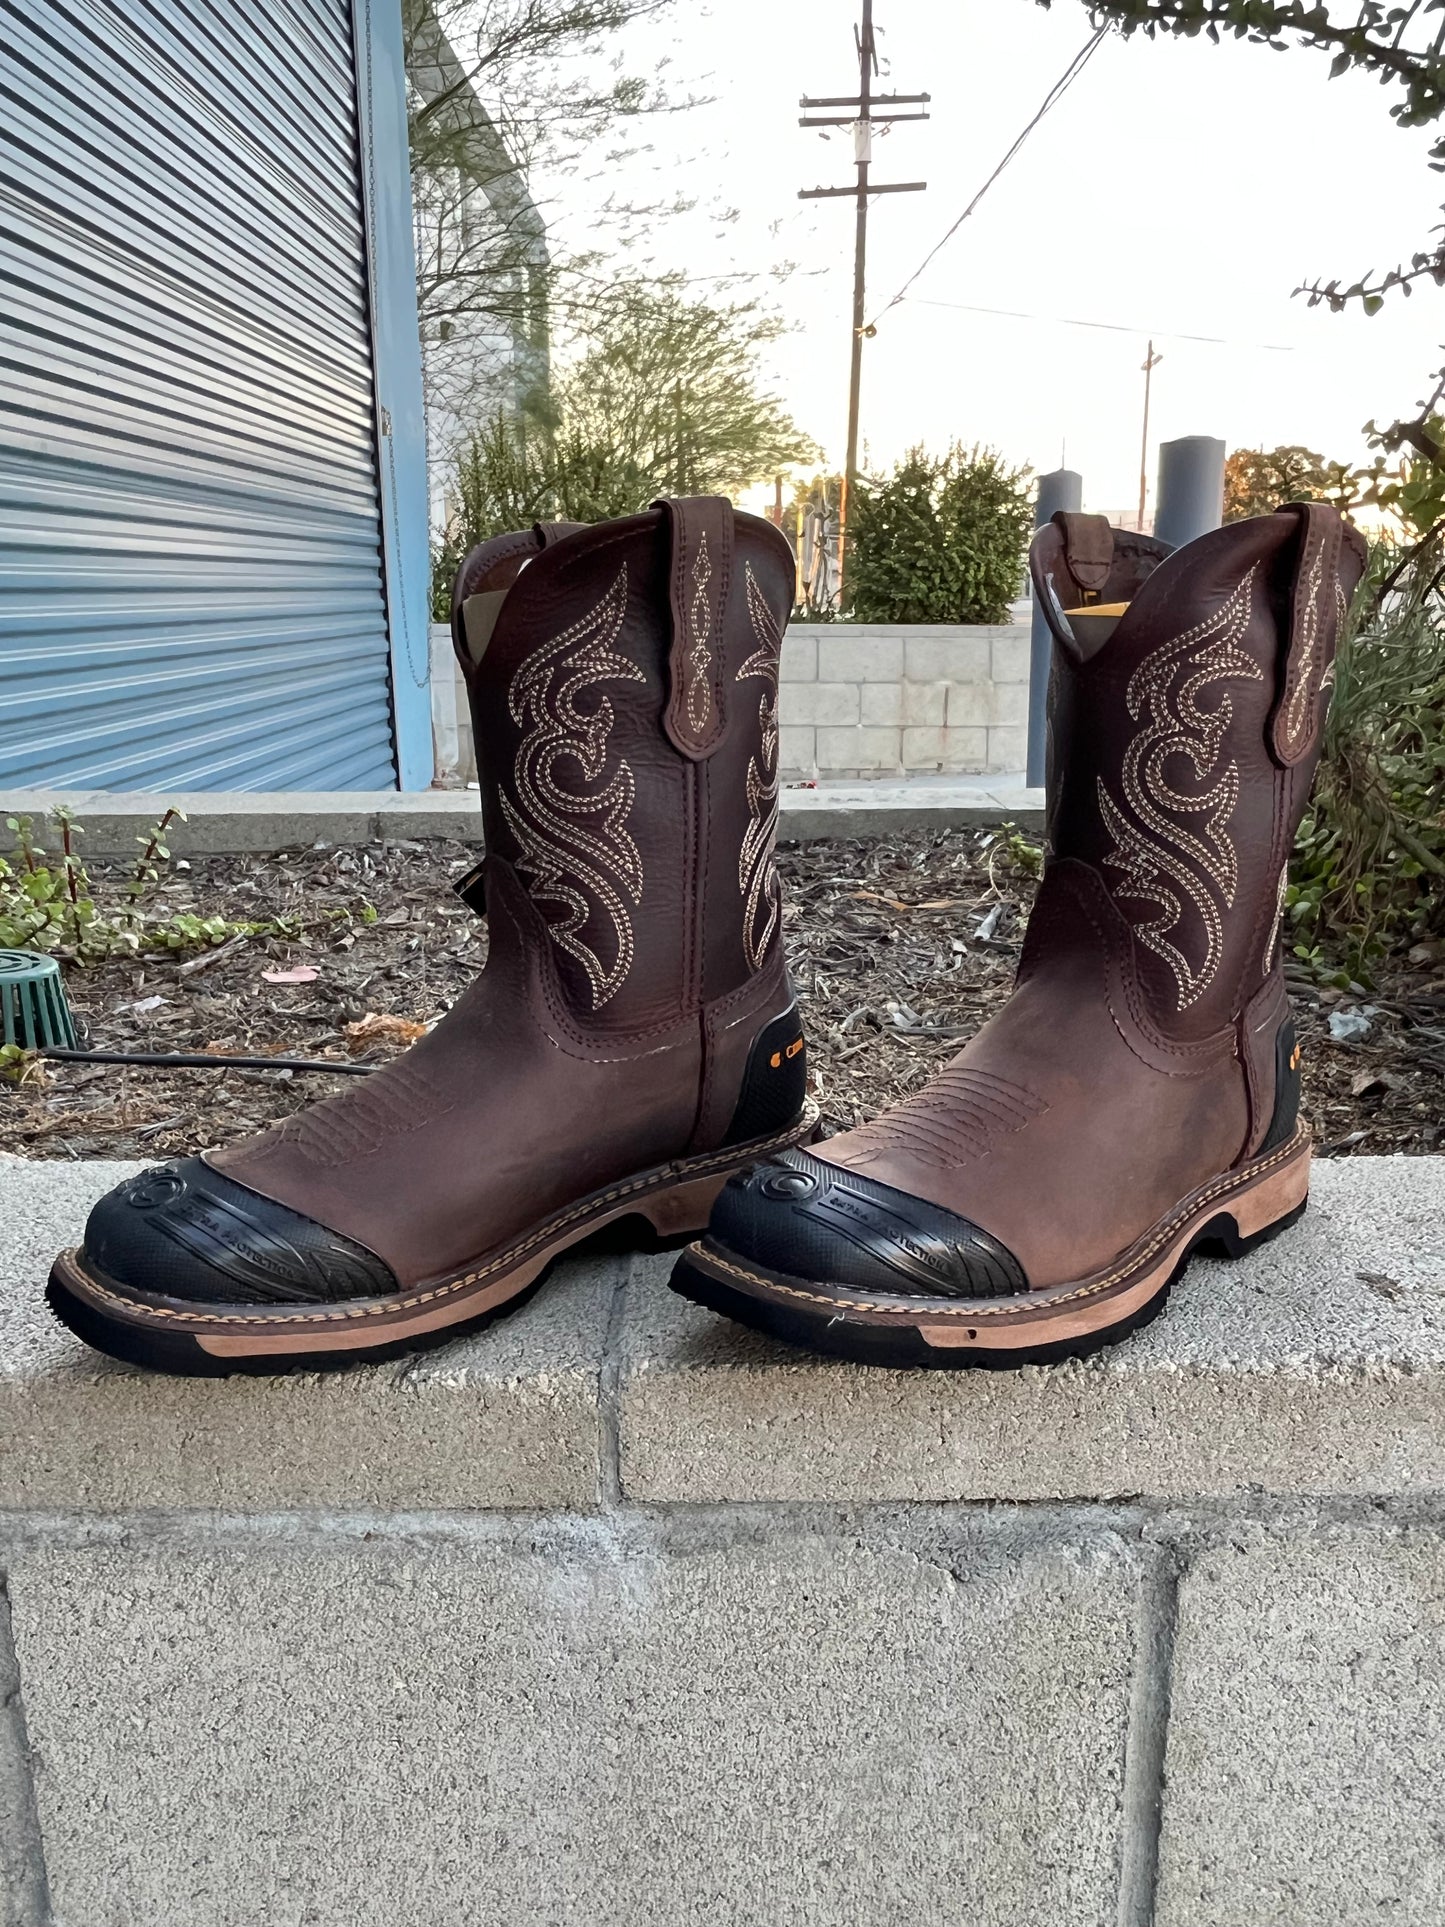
(904, 1348)
(163, 1348)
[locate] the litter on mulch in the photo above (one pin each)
(899, 952)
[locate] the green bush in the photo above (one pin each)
(47, 901)
(511, 472)
(1368, 874)
(941, 539)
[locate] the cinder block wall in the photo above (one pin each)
(856, 699)
(864, 699)
(614, 1613)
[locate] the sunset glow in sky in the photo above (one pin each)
(1178, 189)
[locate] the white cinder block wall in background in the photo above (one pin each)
(857, 699)
(854, 699)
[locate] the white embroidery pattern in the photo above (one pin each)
(1158, 853)
(576, 846)
(757, 868)
(1274, 928)
(699, 660)
(1301, 689)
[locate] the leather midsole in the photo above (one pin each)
(673, 1198)
(1255, 1198)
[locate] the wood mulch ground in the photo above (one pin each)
(900, 951)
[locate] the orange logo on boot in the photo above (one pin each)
(776, 1060)
(1294, 1058)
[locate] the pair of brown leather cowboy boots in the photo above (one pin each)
(633, 1049)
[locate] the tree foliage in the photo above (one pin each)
(667, 401)
(670, 385)
(941, 539)
(502, 92)
(1259, 480)
(1401, 46)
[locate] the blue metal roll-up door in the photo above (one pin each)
(191, 589)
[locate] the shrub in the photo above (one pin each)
(1369, 869)
(941, 539)
(47, 902)
(511, 472)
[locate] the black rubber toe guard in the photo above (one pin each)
(802, 1217)
(185, 1231)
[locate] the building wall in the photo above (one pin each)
(872, 700)
(854, 700)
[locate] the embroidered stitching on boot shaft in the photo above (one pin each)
(1158, 848)
(576, 847)
(757, 866)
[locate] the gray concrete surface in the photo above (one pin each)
(582, 1729)
(883, 807)
(617, 1614)
(24, 1900)
(508, 1418)
(1315, 1366)
(220, 823)
(1307, 1740)
(223, 822)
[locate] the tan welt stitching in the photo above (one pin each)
(973, 1314)
(685, 1170)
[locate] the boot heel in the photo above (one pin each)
(682, 1213)
(1266, 1209)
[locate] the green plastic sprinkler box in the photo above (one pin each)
(34, 1012)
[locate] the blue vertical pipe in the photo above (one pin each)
(1190, 500)
(396, 358)
(1063, 489)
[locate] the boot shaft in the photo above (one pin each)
(1185, 742)
(623, 687)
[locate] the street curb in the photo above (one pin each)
(234, 823)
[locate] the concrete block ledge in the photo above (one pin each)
(1315, 1367)
(226, 823)
(507, 1419)
(613, 1613)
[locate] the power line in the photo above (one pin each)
(1112, 327)
(1055, 94)
(864, 111)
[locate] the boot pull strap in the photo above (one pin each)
(1088, 549)
(1317, 602)
(549, 532)
(487, 573)
(700, 559)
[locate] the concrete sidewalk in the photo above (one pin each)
(224, 823)
(619, 1612)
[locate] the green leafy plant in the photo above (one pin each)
(941, 539)
(47, 902)
(1369, 867)
(1258, 480)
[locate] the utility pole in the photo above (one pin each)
(1150, 363)
(862, 120)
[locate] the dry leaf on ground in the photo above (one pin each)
(380, 1027)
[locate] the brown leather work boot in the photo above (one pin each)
(632, 1039)
(1138, 1094)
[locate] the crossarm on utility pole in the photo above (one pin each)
(866, 116)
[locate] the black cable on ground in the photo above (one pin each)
(201, 1060)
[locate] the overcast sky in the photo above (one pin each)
(1178, 188)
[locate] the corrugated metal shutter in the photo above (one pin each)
(190, 563)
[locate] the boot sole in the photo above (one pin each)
(672, 1201)
(1231, 1216)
